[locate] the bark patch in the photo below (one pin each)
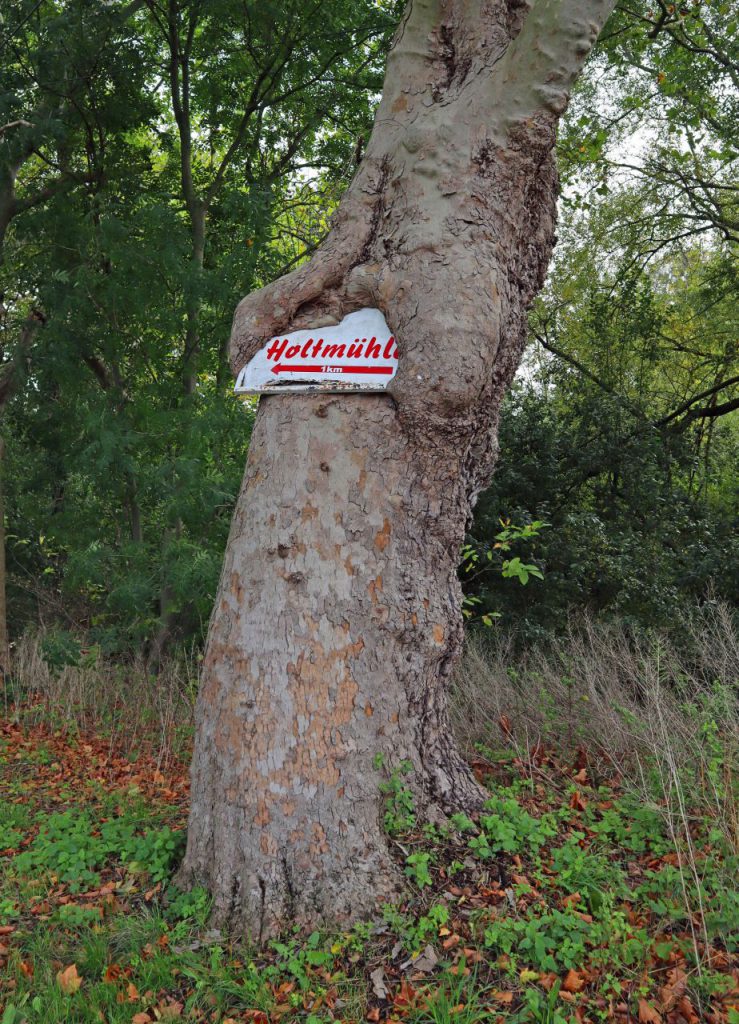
(383, 537)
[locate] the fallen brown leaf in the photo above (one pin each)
(377, 977)
(69, 980)
(578, 802)
(648, 1014)
(674, 990)
(686, 1009)
(170, 1011)
(573, 982)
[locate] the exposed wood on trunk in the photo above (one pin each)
(337, 620)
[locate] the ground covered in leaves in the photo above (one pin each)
(574, 898)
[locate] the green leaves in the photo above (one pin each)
(475, 557)
(417, 868)
(126, 448)
(515, 568)
(71, 847)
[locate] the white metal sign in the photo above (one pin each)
(359, 354)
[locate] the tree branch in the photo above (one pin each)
(699, 414)
(581, 368)
(541, 64)
(20, 123)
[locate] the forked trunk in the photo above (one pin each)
(338, 619)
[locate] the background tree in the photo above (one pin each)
(121, 481)
(620, 432)
(125, 445)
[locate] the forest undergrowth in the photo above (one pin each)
(599, 883)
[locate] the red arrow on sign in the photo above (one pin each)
(280, 368)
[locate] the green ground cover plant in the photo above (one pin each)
(579, 894)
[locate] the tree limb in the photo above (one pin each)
(541, 64)
(20, 123)
(700, 413)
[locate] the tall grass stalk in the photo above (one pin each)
(661, 712)
(123, 702)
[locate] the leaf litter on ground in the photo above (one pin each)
(562, 903)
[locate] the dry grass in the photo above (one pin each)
(598, 686)
(121, 701)
(642, 704)
(666, 718)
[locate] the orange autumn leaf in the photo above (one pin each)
(503, 997)
(405, 995)
(578, 802)
(141, 1018)
(374, 1013)
(573, 982)
(132, 992)
(69, 980)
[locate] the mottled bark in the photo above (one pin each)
(338, 618)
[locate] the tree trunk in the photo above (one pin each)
(198, 216)
(337, 621)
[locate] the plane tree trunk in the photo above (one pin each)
(337, 620)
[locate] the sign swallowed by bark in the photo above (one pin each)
(359, 354)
